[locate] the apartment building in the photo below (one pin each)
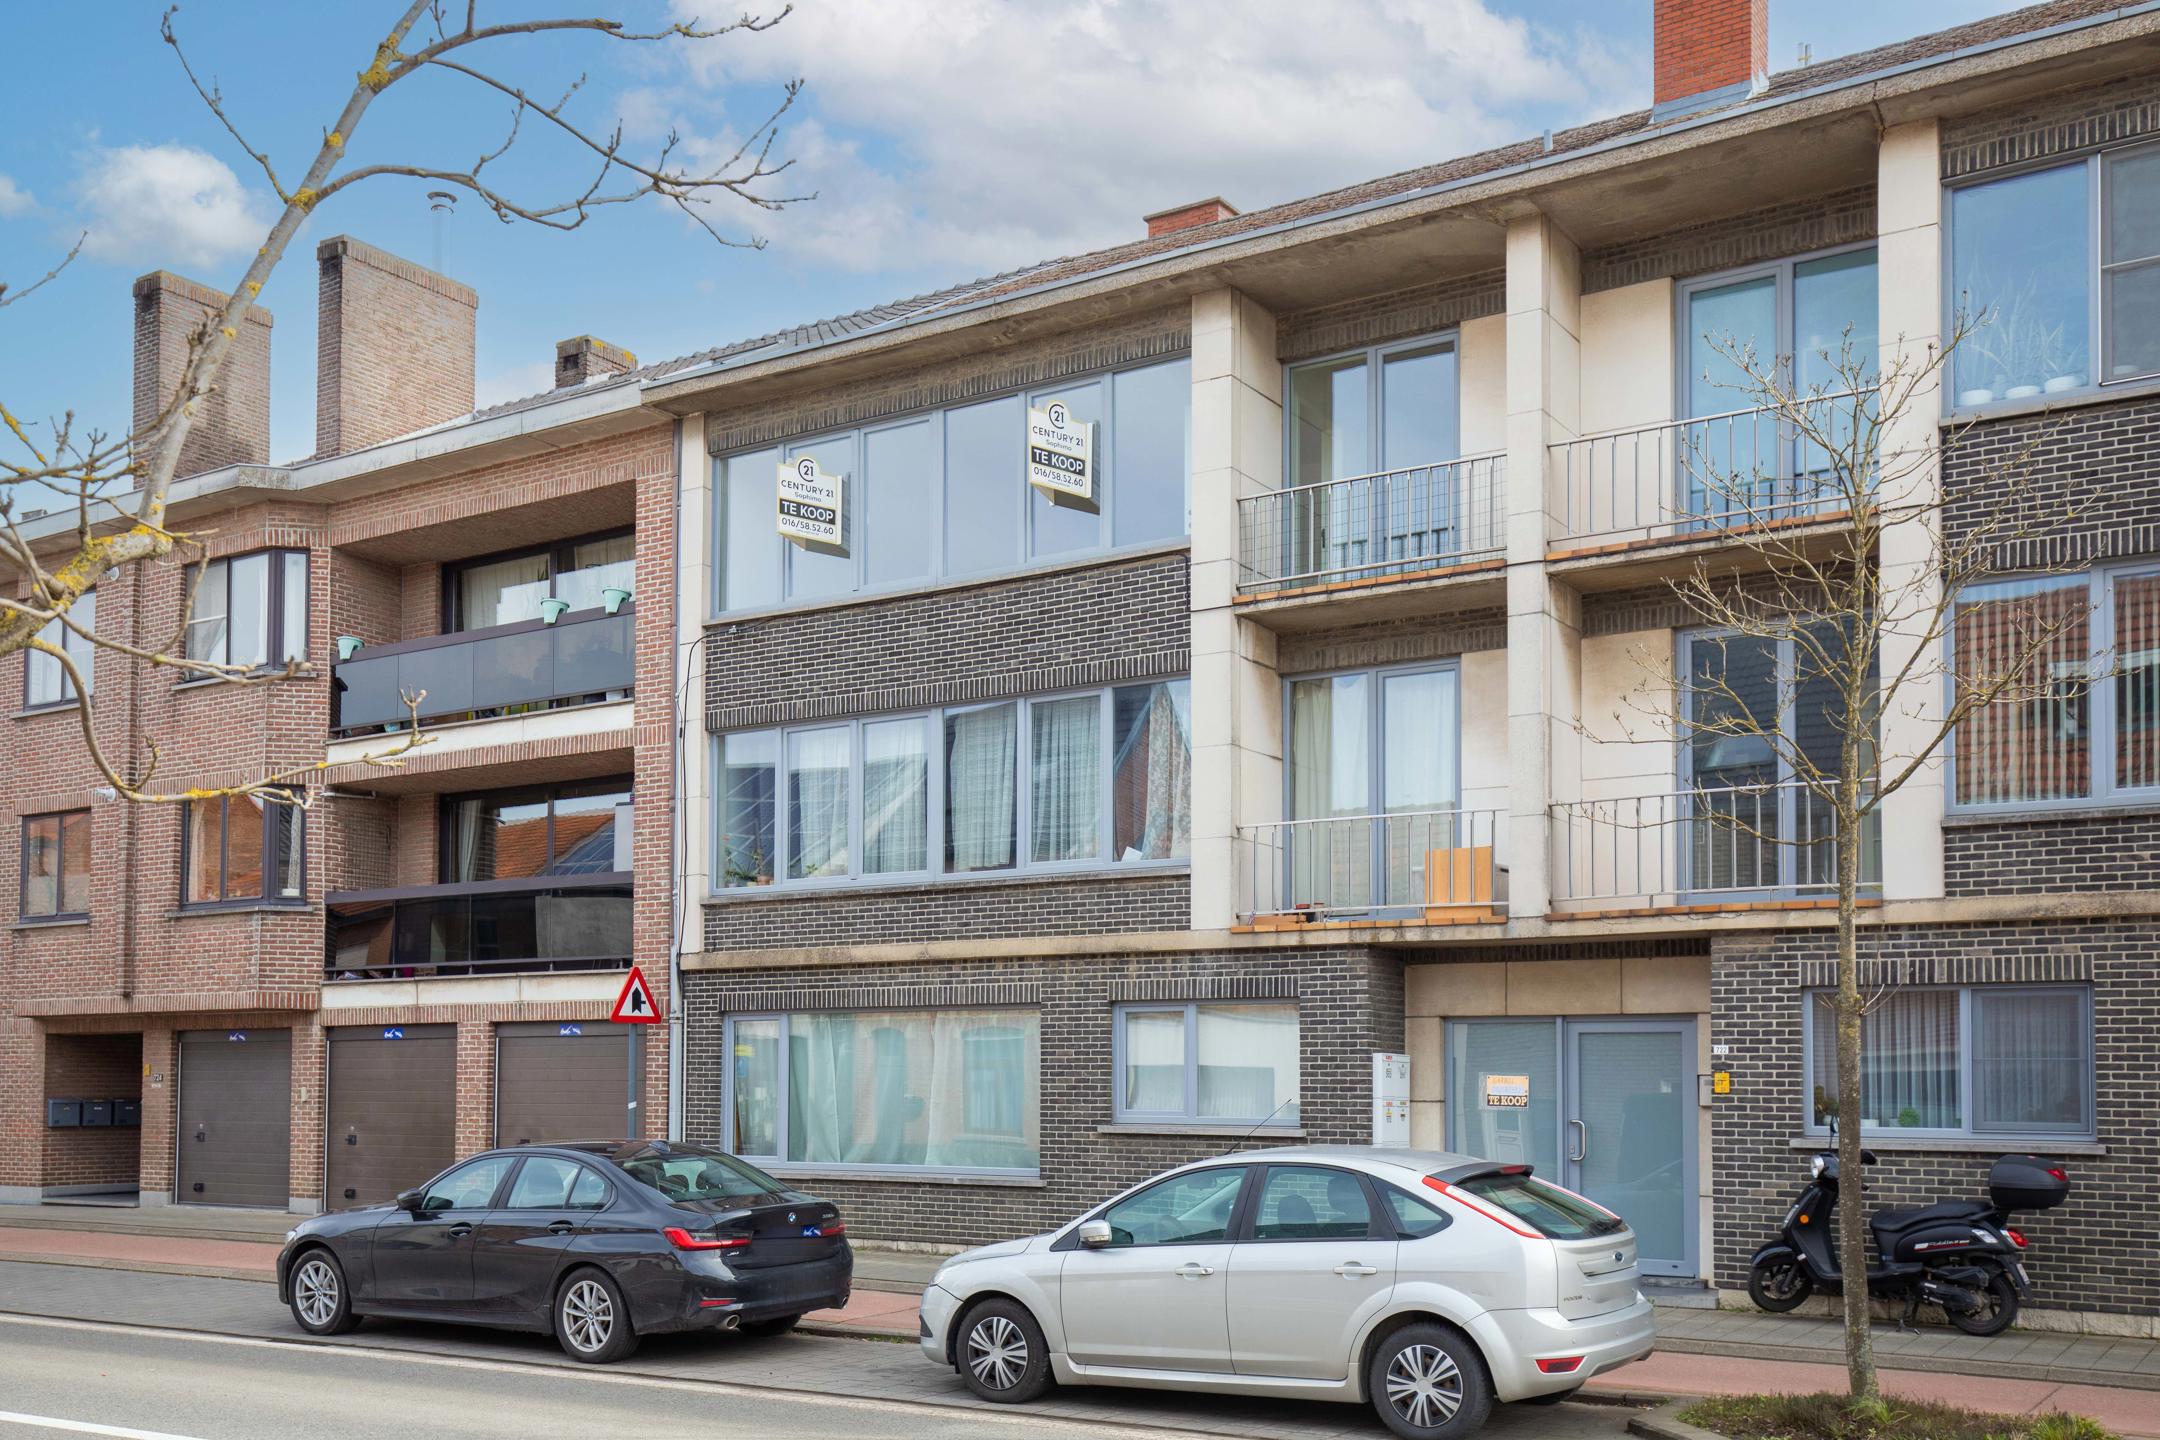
(241, 1001)
(1138, 689)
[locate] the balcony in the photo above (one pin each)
(506, 669)
(1416, 867)
(1725, 848)
(1696, 480)
(554, 923)
(1427, 523)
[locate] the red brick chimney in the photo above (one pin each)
(587, 357)
(1708, 52)
(232, 424)
(1185, 217)
(393, 347)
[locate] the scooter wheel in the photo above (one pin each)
(1779, 1285)
(1995, 1316)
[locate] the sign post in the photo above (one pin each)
(634, 1006)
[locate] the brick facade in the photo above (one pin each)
(949, 910)
(394, 347)
(232, 424)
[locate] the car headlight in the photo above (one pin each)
(1816, 1169)
(292, 1234)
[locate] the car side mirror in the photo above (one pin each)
(1094, 1234)
(409, 1200)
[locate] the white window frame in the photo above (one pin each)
(1190, 1113)
(1811, 1040)
(779, 1165)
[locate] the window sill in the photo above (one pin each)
(308, 671)
(1960, 1145)
(51, 922)
(259, 907)
(61, 707)
(930, 884)
(1235, 1132)
(2140, 389)
(2043, 814)
(907, 1177)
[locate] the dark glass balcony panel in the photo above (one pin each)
(493, 926)
(502, 669)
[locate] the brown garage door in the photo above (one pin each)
(561, 1082)
(392, 1108)
(235, 1110)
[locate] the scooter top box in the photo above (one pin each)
(2027, 1182)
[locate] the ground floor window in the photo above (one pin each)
(887, 1089)
(1977, 1060)
(1231, 1064)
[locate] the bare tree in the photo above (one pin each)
(1843, 550)
(117, 485)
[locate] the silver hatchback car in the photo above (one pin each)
(1432, 1284)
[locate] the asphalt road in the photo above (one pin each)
(149, 1356)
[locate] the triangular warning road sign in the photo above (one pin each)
(635, 1005)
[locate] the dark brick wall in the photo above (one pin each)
(2093, 1253)
(2046, 854)
(953, 911)
(1397, 315)
(2058, 124)
(1817, 223)
(2086, 486)
(1349, 1005)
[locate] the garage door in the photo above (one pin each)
(561, 1082)
(235, 1118)
(392, 1110)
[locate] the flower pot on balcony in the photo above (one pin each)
(1972, 399)
(2061, 383)
(613, 596)
(551, 610)
(347, 646)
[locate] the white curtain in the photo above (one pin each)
(598, 565)
(1066, 794)
(981, 755)
(1909, 1061)
(2029, 1063)
(817, 803)
(1330, 864)
(1154, 1079)
(900, 1088)
(1248, 1062)
(896, 797)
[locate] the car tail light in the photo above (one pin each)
(715, 1304)
(1563, 1366)
(833, 1227)
(682, 1239)
(1464, 1197)
(2017, 1237)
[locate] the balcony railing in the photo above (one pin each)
(1420, 866)
(530, 665)
(1687, 477)
(1371, 527)
(554, 922)
(1702, 847)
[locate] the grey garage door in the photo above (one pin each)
(561, 1082)
(235, 1112)
(392, 1110)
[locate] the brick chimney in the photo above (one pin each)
(1708, 52)
(586, 357)
(232, 425)
(1185, 217)
(393, 347)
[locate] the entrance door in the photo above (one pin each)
(234, 1123)
(1603, 1107)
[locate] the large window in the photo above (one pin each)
(946, 495)
(2080, 722)
(508, 588)
(1983, 1060)
(45, 681)
(2059, 271)
(1074, 781)
(56, 866)
(581, 829)
(250, 610)
(1205, 1063)
(951, 1090)
(1388, 408)
(243, 849)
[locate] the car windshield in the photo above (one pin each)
(684, 1174)
(1547, 1209)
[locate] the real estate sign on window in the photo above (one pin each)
(1507, 1092)
(811, 511)
(1061, 455)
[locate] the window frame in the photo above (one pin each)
(1240, 1203)
(271, 866)
(1782, 270)
(557, 552)
(274, 603)
(70, 642)
(1374, 358)
(551, 792)
(780, 1165)
(22, 893)
(1190, 1115)
(1104, 861)
(2085, 1131)
(855, 497)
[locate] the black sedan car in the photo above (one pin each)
(599, 1242)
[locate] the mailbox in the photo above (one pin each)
(63, 1114)
(127, 1112)
(97, 1112)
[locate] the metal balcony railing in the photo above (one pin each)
(1437, 866)
(530, 665)
(1685, 477)
(1371, 527)
(549, 923)
(1704, 846)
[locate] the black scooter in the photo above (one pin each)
(1961, 1254)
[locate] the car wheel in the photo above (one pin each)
(591, 1321)
(778, 1325)
(1428, 1383)
(320, 1302)
(1003, 1356)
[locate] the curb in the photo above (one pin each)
(1664, 1423)
(1926, 1364)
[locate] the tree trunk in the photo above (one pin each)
(1852, 1200)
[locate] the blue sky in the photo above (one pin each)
(945, 139)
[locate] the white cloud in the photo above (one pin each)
(167, 205)
(980, 134)
(14, 200)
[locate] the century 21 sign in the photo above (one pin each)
(811, 507)
(1061, 455)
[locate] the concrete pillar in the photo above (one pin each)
(1544, 656)
(1909, 281)
(1237, 775)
